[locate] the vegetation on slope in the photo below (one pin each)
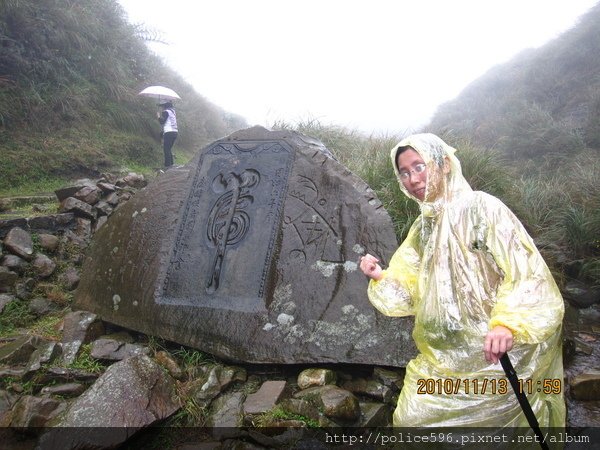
(544, 101)
(561, 211)
(70, 71)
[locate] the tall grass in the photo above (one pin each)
(71, 68)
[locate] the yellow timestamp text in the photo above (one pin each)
(483, 386)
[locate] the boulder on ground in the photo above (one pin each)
(250, 252)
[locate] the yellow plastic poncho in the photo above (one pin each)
(466, 266)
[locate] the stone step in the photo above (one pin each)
(28, 199)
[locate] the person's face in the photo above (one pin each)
(413, 173)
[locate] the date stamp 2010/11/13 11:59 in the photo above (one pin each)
(483, 386)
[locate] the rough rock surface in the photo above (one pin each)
(130, 395)
(250, 253)
(19, 242)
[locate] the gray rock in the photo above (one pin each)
(13, 372)
(103, 208)
(54, 223)
(335, 402)
(374, 415)
(114, 350)
(316, 377)
(45, 353)
(80, 327)
(106, 187)
(48, 242)
(339, 403)
(19, 242)
(43, 266)
(265, 398)
(215, 381)
(32, 413)
(226, 414)
(66, 192)
(65, 375)
(282, 286)
(20, 350)
(5, 299)
(64, 390)
(134, 180)
(8, 279)
(83, 228)
(131, 394)
(88, 194)
(7, 401)
(24, 288)
(112, 199)
(77, 207)
(40, 306)
(70, 278)
(581, 295)
(14, 263)
(370, 388)
(7, 225)
(100, 222)
(586, 386)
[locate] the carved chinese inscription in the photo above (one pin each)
(228, 227)
(228, 222)
(314, 225)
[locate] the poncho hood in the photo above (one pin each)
(436, 153)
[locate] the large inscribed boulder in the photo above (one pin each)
(250, 252)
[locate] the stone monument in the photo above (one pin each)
(250, 252)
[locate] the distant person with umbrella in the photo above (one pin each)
(168, 119)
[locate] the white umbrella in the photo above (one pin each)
(160, 92)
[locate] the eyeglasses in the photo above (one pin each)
(419, 168)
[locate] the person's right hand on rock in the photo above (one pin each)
(370, 267)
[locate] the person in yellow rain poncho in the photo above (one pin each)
(478, 287)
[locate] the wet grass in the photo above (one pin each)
(16, 315)
(277, 413)
(85, 362)
(48, 327)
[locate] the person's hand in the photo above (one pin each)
(370, 267)
(498, 341)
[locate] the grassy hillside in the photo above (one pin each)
(541, 112)
(544, 101)
(70, 71)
